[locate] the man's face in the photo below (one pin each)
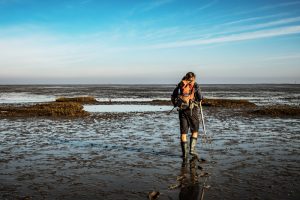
(192, 79)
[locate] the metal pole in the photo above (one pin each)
(202, 117)
(171, 111)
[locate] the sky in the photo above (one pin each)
(149, 42)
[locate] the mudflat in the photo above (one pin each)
(250, 153)
(128, 155)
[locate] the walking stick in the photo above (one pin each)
(171, 110)
(203, 124)
(202, 117)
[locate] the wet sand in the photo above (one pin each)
(128, 155)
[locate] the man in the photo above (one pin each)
(187, 97)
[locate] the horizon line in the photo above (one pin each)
(37, 84)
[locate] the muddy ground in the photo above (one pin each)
(128, 155)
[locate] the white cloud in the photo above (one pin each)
(249, 19)
(258, 26)
(155, 4)
(283, 57)
(230, 38)
(285, 4)
(45, 51)
(206, 6)
(267, 8)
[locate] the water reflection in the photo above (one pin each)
(189, 180)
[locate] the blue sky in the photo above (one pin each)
(90, 41)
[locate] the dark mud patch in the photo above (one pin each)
(225, 103)
(228, 103)
(277, 111)
(83, 100)
(54, 109)
(99, 117)
(231, 142)
(161, 102)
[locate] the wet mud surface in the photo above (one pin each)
(129, 155)
(137, 155)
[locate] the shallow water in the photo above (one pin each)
(127, 155)
(23, 97)
(125, 108)
(257, 93)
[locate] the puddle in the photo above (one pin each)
(125, 108)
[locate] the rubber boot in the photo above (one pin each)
(193, 143)
(184, 149)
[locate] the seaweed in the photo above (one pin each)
(53, 109)
(83, 99)
(225, 103)
(228, 103)
(277, 110)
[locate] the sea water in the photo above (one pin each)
(257, 93)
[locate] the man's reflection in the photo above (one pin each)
(190, 186)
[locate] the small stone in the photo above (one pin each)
(153, 195)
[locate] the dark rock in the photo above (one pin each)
(153, 195)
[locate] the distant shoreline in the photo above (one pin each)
(136, 84)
